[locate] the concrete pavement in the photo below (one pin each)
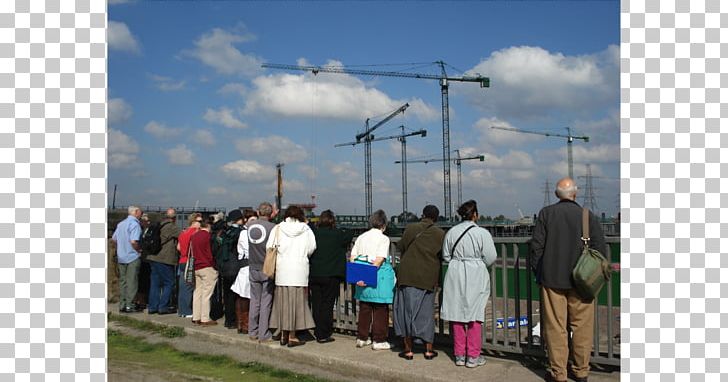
(341, 360)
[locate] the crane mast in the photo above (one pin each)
(368, 139)
(444, 83)
(279, 188)
(403, 142)
(569, 140)
(458, 163)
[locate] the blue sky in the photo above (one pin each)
(193, 118)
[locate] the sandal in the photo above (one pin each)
(409, 356)
(294, 343)
(430, 356)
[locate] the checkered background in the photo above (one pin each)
(674, 307)
(53, 190)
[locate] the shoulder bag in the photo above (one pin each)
(592, 270)
(271, 255)
(189, 274)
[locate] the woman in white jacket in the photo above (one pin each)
(296, 243)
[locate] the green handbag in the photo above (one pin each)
(592, 270)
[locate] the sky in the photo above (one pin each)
(193, 118)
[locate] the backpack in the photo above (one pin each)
(592, 270)
(151, 242)
(225, 251)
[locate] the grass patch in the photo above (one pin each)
(162, 330)
(163, 359)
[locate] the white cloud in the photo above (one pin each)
(119, 111)
(180, 155)
(234, 88)
(531, 82)
(497, 137)
(167, 84)
(594, 153)
(248, 171)
(346, 175)
(204, 137)
(217, 50)
(599, 130)
(224, 116)
(308, 171)
(293, 190)
(122, 150)
(160, 130)
(281, 149)
(217, 191)
(120, 38)
(140, 173)
(513, 159)
(327, 95)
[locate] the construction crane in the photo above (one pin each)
(368, 139)
(444, 80)
(279, 188)
(569, 139)
(458, 163)
(402, 138)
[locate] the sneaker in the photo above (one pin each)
(381, 346)
(361, 344)
(475, 362)
(459, 360)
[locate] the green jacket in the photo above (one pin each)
(329, 258)
(419, 250)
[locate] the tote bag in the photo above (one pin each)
(271, 255)
(189, 274)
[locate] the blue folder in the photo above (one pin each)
(361, 271)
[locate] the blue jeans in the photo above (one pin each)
(184, 293)
(160, 286)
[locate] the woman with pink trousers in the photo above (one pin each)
(469, 251)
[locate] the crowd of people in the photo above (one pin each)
(230, 253)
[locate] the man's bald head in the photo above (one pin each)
(171, 213)
(566, 189)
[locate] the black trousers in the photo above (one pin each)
(229, 298)
(323, 293)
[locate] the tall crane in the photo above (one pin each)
(368, 139)
(402, 138)
(279, 188)
(444, 80)
(569, 139)
(458, 163)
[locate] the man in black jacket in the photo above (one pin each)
(555, 248)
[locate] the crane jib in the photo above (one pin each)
(484, 81)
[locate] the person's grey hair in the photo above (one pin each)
(378, 219)
(218, 216)
(566, 192)
(132, 210)
(265, 209)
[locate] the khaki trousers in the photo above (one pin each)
(562, 309)
(205, 280)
